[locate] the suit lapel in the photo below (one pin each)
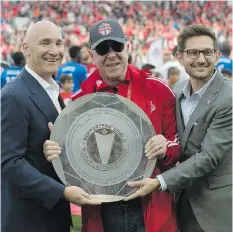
(179, 117)
(61, 102)
(204, 104)
(40, 97)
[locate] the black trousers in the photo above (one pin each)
(123, 216)
(186, 218)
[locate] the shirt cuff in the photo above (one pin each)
(162, 183)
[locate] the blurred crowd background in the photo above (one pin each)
(150, 26)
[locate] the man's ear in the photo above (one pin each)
(179, 57)
(92, 55)
(217, 56)
(128, 46)
(25, 49)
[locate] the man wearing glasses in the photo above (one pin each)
(204, 119)
(153, 213)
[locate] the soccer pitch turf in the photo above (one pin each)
(76, 223)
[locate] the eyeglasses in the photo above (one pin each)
(103, 48)
(194, 53)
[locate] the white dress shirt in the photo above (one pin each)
(188, 104)
(51, 87)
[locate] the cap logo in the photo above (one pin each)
(105, 29)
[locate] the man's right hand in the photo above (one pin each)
(72, 194)
(78, 196)
(51, 148)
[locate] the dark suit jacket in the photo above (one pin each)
(205, 170)
(31, 192)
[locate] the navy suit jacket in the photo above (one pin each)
(31, 192)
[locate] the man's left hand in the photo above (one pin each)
(156, 147)
(145, 187)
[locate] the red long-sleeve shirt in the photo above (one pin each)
(156, 99)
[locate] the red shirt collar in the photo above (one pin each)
(100, 84)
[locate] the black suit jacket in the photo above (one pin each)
(31, 191)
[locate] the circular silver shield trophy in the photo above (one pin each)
(102, 137)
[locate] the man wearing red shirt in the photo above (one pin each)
(153, 213)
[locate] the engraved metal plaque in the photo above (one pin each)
(102, 137)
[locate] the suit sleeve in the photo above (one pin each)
(170, 133)
(216, 145)
(15, 168)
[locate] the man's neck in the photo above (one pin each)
(112, 83)
(197, 84)
(46, 78)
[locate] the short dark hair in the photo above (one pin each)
(18, 57)
(194, 30)
(173, 71)
(148, 66)
(85, 45)
(225, 48)
(74, 51)
(65, 77)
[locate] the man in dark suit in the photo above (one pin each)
(33, 197)
(203, 179)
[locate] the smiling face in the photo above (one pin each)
(44, 48)
(113, 65)
(200, 68)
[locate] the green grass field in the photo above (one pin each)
(76, 223)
